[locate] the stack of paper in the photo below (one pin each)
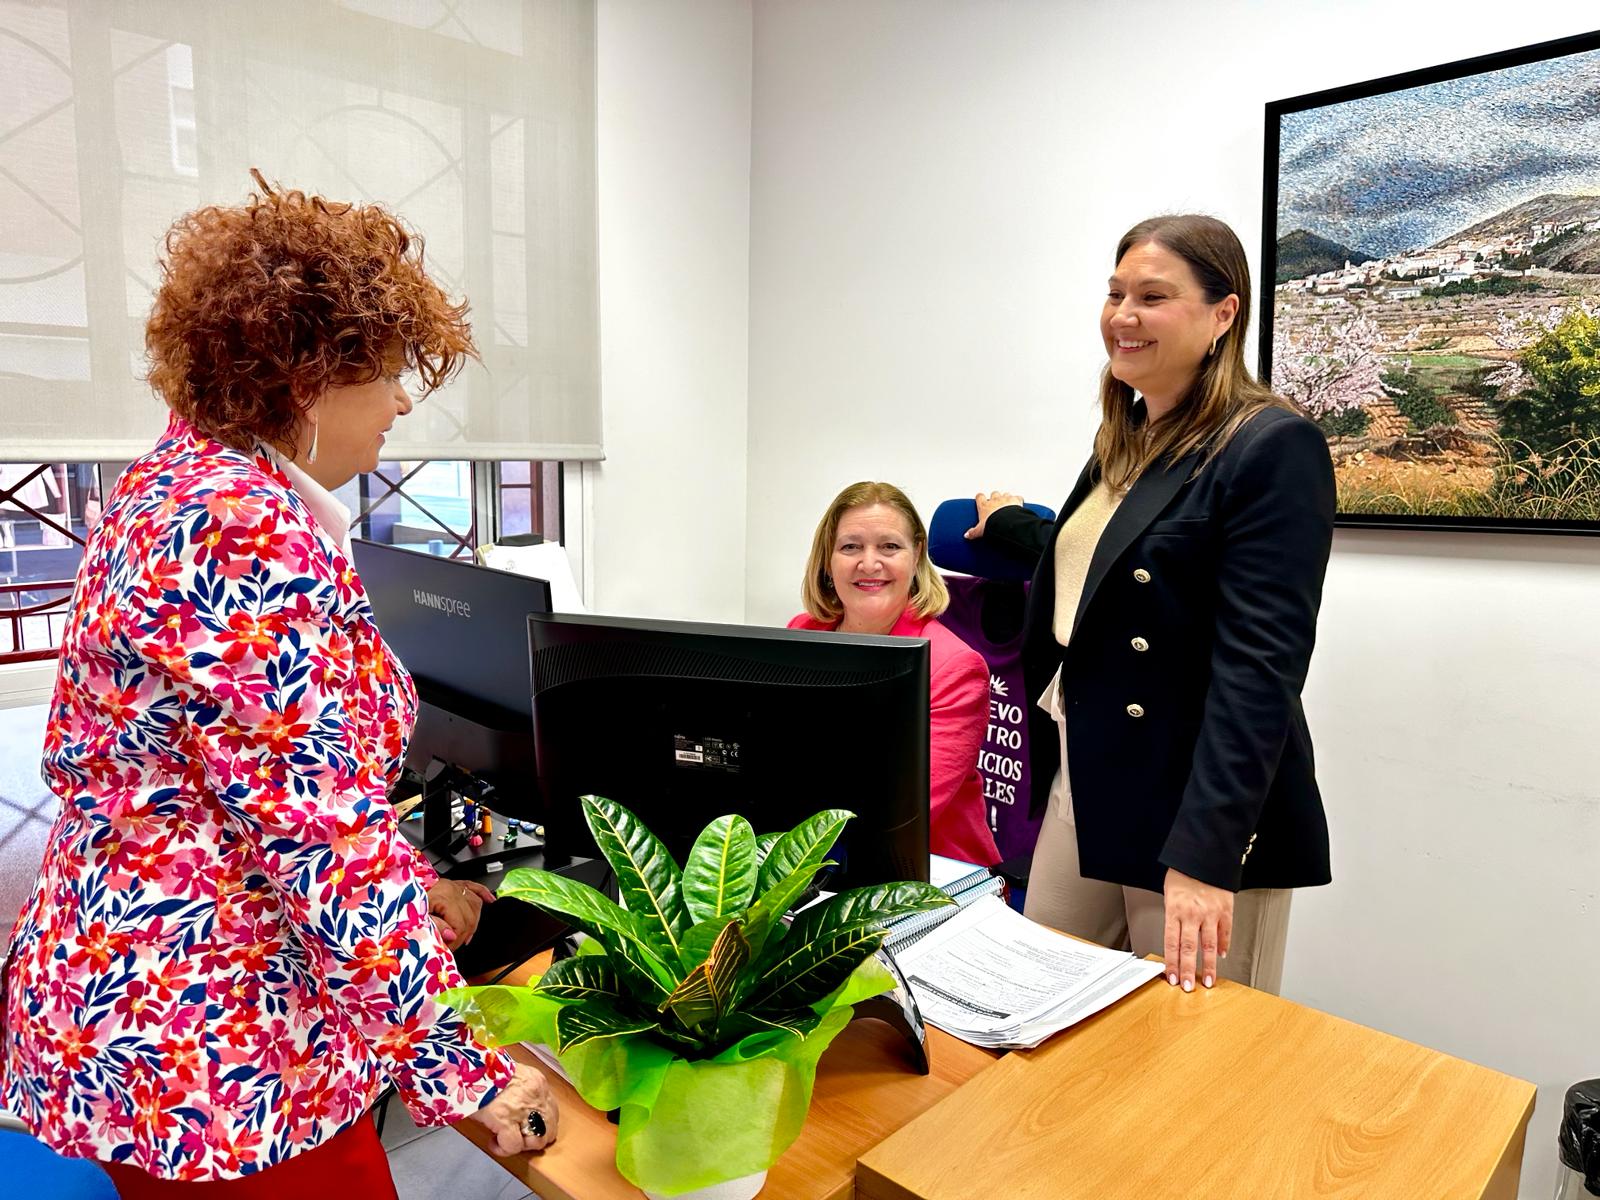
(992, 977)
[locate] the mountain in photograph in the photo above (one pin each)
(1302, 253)
(1565, 231)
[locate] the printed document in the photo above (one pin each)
(992, 977)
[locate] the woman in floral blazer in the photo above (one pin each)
(229, 948)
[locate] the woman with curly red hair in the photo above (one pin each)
(229, 949)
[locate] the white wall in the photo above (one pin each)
(665, 515)
(936, 190)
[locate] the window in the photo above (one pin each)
(46, 512)
(530, 499)
(442, 506)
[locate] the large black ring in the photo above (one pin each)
(535, 1123)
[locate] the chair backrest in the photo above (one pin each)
(950, 550)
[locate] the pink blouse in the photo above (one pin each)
(958, 689)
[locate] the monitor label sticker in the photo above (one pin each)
(706, 753)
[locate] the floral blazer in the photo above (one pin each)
(228, 949)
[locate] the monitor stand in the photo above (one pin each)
(898, 1009)
(448, 845)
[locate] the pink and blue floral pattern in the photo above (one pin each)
(228, 949)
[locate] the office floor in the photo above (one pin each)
(427, 1163)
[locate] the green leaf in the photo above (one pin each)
(698, 941)
(614, 927)
(706, 993)
(805, 972)
(590, 977)
(693, 1045)
(647, 876)
(808, 841)
(720, 875)
(580, 1023)
(764, 844)
(640, 972)
(767, 913)
(865, 908)
(742, 1024)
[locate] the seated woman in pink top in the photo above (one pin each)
(869, 573)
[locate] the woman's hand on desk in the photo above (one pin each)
(987, 503)
(1199, 927)
(509, 1115)
(455, 905)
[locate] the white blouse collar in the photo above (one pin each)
(330, 512)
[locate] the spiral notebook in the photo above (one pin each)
(962, 882)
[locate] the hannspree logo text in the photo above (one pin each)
(448, 605)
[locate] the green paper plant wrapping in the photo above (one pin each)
(692, 1006)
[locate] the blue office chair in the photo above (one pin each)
(950, 550)
(30, 1168)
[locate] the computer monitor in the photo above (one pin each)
(684, 722)
(461, 630)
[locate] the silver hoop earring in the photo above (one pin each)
(311, 454)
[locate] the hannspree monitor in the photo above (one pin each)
(461, 630)
(684, 722)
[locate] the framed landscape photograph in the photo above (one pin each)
(1432, 242)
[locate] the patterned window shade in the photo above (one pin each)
(475, 121)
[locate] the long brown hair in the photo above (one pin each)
(1224, 394)
(929, 596)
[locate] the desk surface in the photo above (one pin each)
(1223, 1094)
(865, 1090)
(1230, 1093)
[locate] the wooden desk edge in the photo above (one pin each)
(1505, 1180)
(523, 1167)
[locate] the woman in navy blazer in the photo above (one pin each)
(1170, 626)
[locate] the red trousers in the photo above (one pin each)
(348, 1165)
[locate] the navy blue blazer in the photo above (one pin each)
(1187, 741)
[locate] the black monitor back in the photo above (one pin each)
(685, 722)
(461, 630)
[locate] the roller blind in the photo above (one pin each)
(473, 119)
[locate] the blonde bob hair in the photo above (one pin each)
(1224, 394)
(929, 596)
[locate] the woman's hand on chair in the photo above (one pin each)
(1199, 928)
(988, 502)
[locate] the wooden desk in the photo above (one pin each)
(865, 1090)
(1229, 1094)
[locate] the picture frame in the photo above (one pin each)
(1430, 288)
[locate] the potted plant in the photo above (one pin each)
(693, 1007)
